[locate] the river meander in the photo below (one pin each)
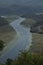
(23, 42)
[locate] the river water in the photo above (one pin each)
(23, 42)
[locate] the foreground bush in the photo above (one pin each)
(1, 45)
(26, 59)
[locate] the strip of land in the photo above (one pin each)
(36, 27)
(7, 33)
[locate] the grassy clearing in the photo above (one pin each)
(7, 33)
(28, 22)
(37, 43)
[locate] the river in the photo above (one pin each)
(23, 42)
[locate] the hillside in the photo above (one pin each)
(36, 28)
(7, 33)
(35, 23)
(3, 21)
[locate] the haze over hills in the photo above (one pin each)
(21, 2)
(21, 7)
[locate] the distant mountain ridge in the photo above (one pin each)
(21, 7)
(21, 2)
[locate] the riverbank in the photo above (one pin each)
(37, 38)
(22, 43)
(9, 46)
(28, 22)
(7, 32)
(37, 43)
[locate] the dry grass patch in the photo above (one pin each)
(7, 33)
(37, 43)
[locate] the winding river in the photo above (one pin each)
(23, 42)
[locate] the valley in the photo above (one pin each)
(21, 32)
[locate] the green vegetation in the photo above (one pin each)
(1, 45)
(26, 58)
(9, 61)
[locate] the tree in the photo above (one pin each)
(25, 58)
(1, 45)
(9, 61)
